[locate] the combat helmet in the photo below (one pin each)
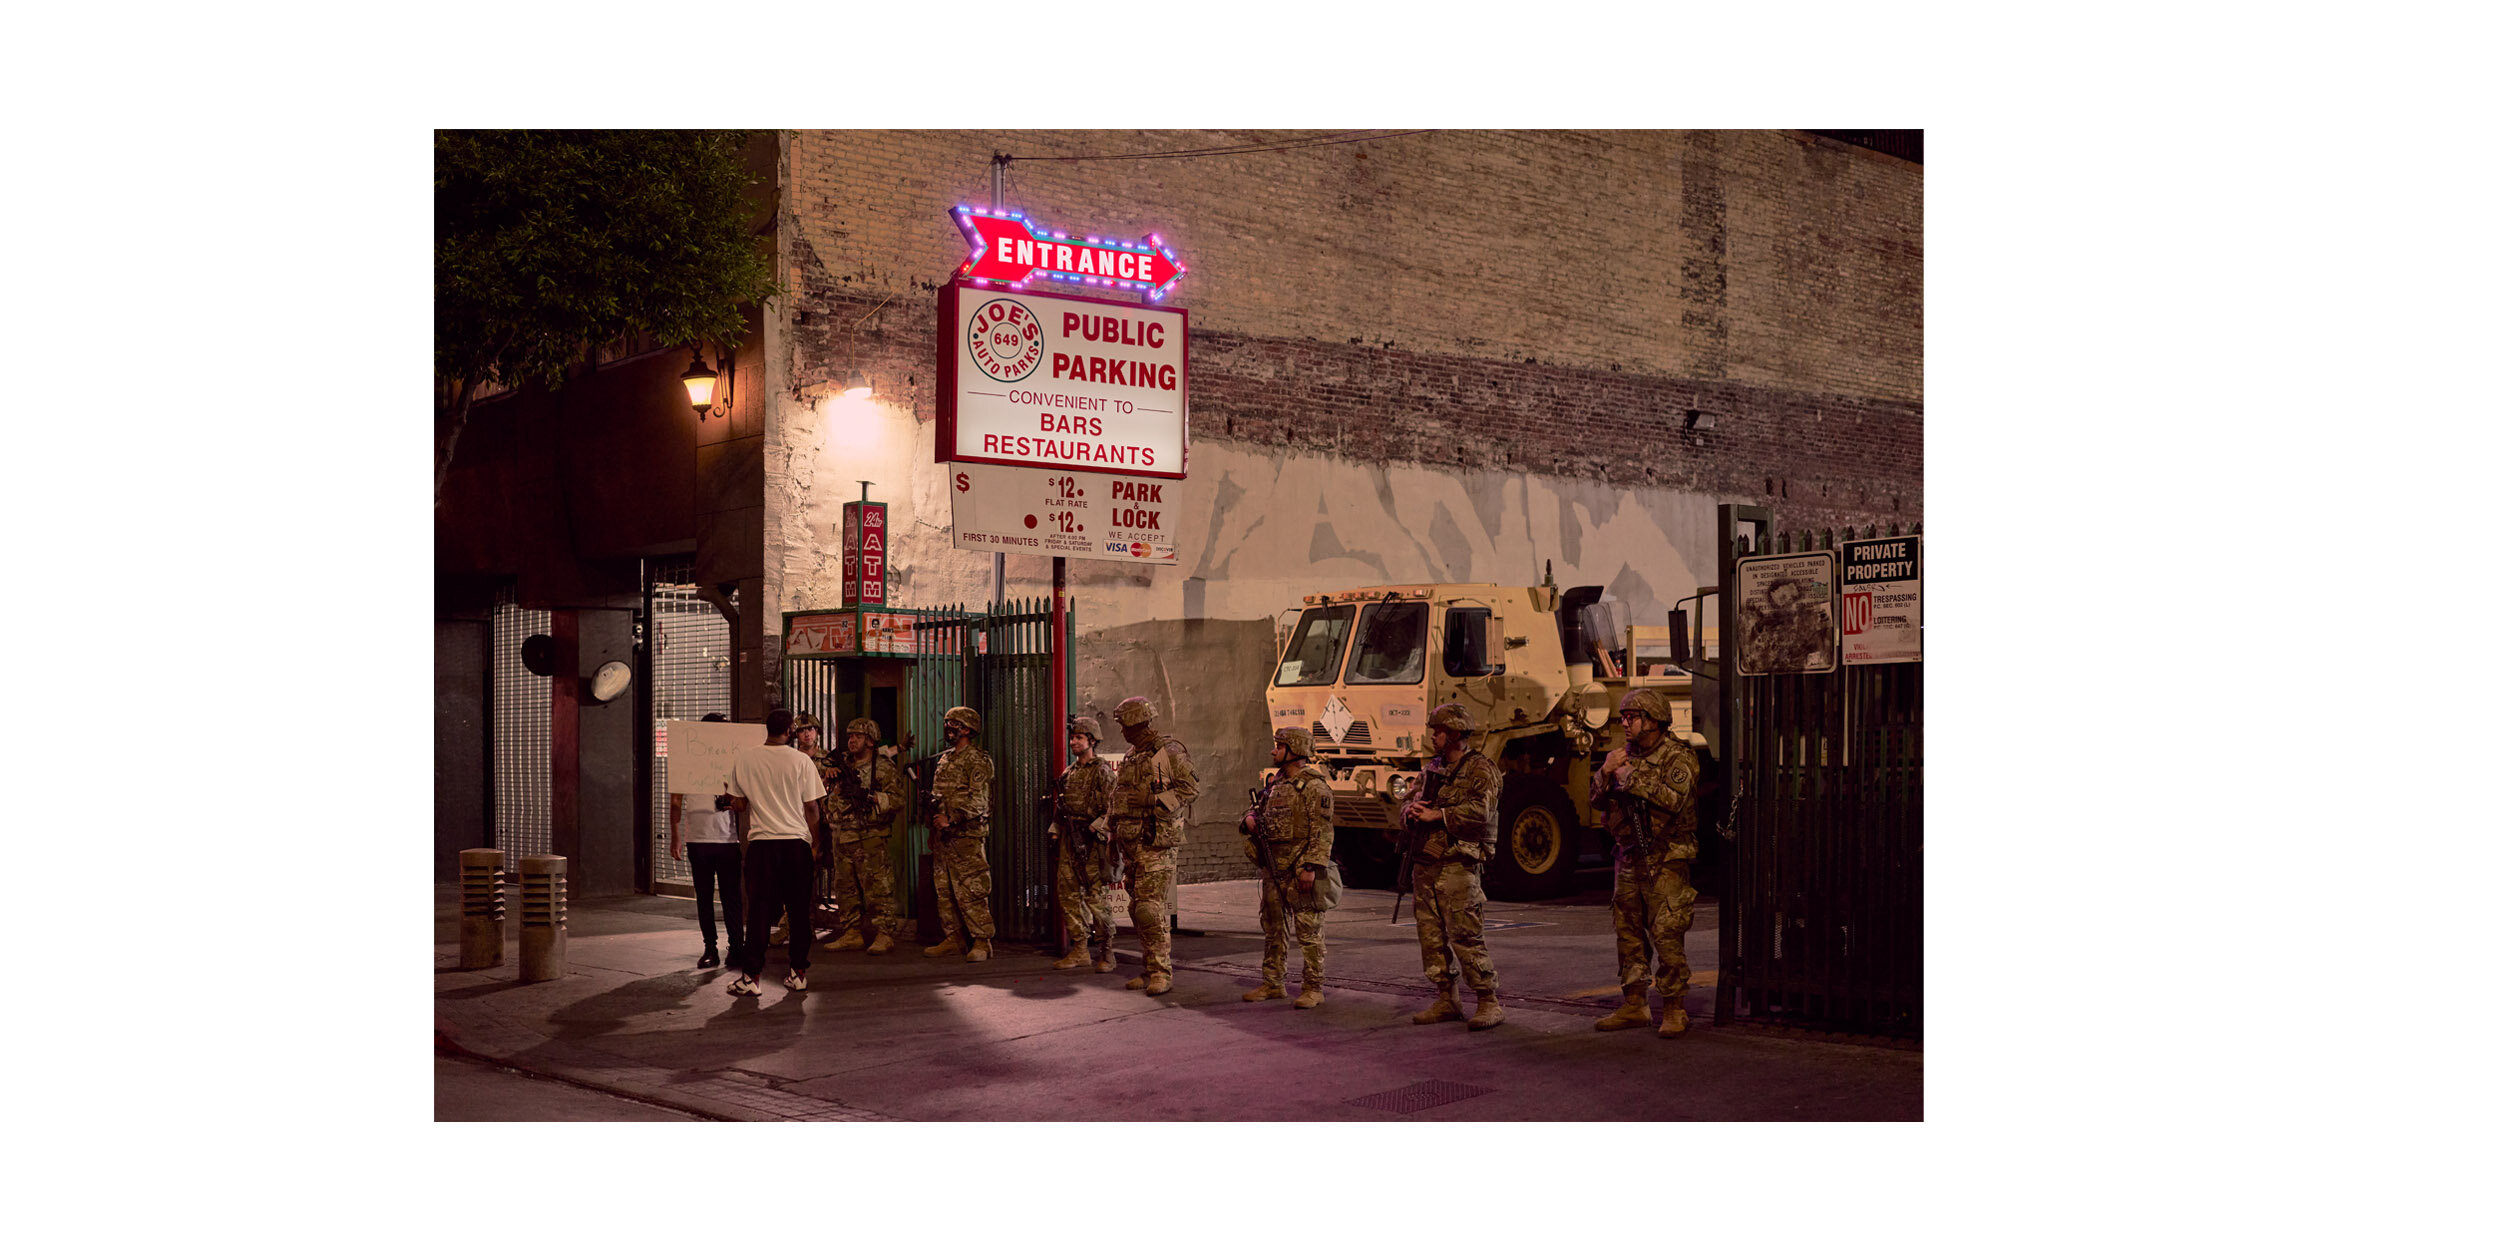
(1452, 717)
(966, 717)
(1650, 702)
(1087, 726)
(1134, 711)
(1296, 740)
(806, 720)
(865, 725)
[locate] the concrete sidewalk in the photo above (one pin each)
(903, 1037)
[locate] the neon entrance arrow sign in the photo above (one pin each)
(1008, 247)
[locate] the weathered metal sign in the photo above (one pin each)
(1784, 614)
(1087, 516)
(863, 553)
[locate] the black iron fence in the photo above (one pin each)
(1821, 909)
(998, 664)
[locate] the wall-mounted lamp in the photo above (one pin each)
(699, 380)
(1696, 419)
(856, 386)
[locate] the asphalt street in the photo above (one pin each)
(903, 1037)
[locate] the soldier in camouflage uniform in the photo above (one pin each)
(1080, 832)
(859, 816)
(1290, 839)
(1149, 812)
(1452, 834)
(1652, 775)
(960, 824)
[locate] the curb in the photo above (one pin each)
(446, 1042)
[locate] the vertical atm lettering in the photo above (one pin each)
(863, 554)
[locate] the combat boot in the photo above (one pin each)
(952, 947)
(1635, 1010)
(1442, 1008)
(850, 941)
(1672, 1022)
(980, 951)
(1158, 984)
(884, 943)
(1105, 964)
(1264, 993)
(781, 934)
(1488, 1012)
(1137, 982)
(1073, 959)
(1309, 997)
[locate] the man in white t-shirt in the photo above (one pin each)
(774, 789)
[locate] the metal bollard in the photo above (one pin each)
(481, 909)
(542, 917)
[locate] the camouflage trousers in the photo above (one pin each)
(963, 887)
(1085, 898)
(1149, 878)
(863, 886)
(1449, 924)
(1653, 906)
(1275, 906)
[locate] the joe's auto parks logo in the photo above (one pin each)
(1005, 340)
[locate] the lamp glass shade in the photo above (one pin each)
(698, 382)
(857, 387)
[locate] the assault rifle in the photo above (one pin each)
(1635, 811)
(1076, 833)
(923, 773)
(1258, 842)
(1434, 775)
(855, 797)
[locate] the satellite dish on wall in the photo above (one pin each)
(538, 654)
(610, 681)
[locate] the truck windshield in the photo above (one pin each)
(1391, 648)
(1311, 658)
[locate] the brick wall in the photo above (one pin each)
(1556, 301)
(1546, 303)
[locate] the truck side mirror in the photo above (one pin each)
(1679, 645)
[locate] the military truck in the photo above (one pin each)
(1542, 670)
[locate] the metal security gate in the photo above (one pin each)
(690, 677)
(1821, 914)
(998, 664)
(1010, 686)
(524, 707)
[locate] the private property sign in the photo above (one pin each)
(1062, 382)
(1089, 516)
(1879, 600)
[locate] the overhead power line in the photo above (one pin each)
(1283, 145)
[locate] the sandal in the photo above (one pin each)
(797, 980)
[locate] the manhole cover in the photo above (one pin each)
(1419, 1096)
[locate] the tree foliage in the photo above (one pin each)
(547, 242)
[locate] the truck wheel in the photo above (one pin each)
(1367, 863)
(1538, 848)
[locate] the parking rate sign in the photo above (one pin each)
(1087, 516)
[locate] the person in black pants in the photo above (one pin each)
(712, 844)
(775, 791)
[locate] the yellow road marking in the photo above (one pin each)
(1710, 977)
